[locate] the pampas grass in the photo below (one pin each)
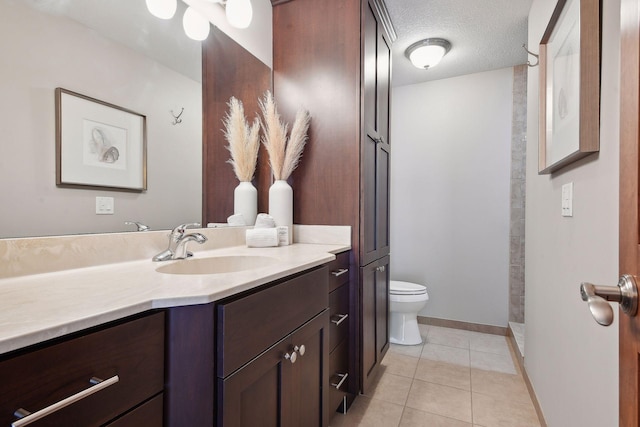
(243, 141)
(284, 155)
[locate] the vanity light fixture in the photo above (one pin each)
(195, 25)
(427, 53)
(163, 9)
(239, 14)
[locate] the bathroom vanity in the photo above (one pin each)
(234, 349)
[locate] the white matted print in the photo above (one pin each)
(569, 127)
(563, 108)
(99, 144)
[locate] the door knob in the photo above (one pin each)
(626, 294)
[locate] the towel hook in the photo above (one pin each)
(524, 46)
(177, 119)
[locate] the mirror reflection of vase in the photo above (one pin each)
(245, 202)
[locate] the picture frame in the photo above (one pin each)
(99, 145)
(569, 123)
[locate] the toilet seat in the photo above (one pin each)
(397, 287)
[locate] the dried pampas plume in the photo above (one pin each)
(284, 155)
(243, 141)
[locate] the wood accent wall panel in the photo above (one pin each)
(326, 183)
(228, 70)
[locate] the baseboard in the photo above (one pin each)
(519, 359)
(456, 324)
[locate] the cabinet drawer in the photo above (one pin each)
(339, 270)
(251, 324)
(339, 312)
(147, 415)
(338, 368)
(132, 351)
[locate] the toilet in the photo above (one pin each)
(405, 301)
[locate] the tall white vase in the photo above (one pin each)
(245, 202)
(281, 205)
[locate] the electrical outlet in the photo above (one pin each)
(104, 206)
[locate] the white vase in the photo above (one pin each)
(281, 205)
(245, 202)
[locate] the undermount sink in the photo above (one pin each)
(217, 265)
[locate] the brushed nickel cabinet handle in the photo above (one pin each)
(291, 357)
(301, 350)
(27, 417)
(341, 318)
(343, 378)
(340, 272)
(381, 268)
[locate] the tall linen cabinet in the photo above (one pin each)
(333, 58)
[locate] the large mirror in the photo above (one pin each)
(116, 52)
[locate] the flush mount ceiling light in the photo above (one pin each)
(427, 53)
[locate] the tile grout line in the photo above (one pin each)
(471, 387)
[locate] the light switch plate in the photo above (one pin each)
(567, 199)
(104, 206)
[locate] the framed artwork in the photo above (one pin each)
(569, 85)
(99, 145)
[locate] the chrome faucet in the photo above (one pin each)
(178, 243)
(140, 226)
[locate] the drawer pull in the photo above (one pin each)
(343, 378)
(300, 349)
(381, 268)
(341, 318)
(27, 418)
(340, 272)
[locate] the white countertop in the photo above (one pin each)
(38, 307)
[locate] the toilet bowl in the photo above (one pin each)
(405, 301)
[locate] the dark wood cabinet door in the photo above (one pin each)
(382, 307)
(309, 380)
(375, 318)
(251, 397)
(375, 150)
(272, 391)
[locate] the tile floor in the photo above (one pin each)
(454, 379)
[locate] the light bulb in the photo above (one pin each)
(195, 25)
(163, 9)
(239, 13)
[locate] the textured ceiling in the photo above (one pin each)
(484, 34)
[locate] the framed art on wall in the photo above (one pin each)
(99, 145)
(569, 85)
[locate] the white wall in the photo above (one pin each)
(41, 52)
(571, 361)
(450, 193)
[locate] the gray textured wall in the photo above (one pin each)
(518, 173)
